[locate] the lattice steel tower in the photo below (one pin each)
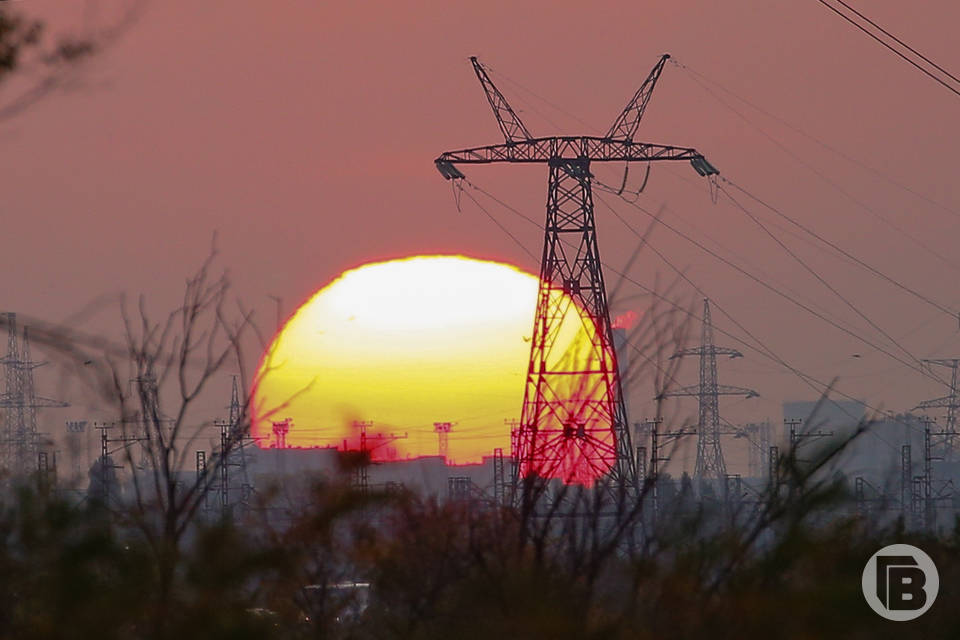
(950, 402)
(710, 462)
(20, 441)
(573, 422)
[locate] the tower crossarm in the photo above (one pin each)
(8, 401)
(700, 351)
(945, 402)
(626, 124)
(510, 124)
(721, 390)
(592, 148)
(950, 363)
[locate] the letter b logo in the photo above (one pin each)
(900, 582)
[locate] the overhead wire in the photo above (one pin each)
(808, 379)
(816, 140)
(901, 42)
(758, 346)
(887, 45)
(834, 246)
(819, 277)
(792, 221)
(832, 183)
(781, 294)
(780, 145)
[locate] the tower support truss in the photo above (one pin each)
(950, 402)
(574, 425)
(710, 462)
(19, 437)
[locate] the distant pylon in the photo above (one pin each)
(710, 462)
(950, 402)
(443, 430)
(280, 429)
(19, 439)
(237, 434)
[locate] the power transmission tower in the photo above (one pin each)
(19, 439)
(950, 402)
(234, 441)
(574, 424)
(361, 478)
(710, 463)
(280, 430)
(149, 417)
(443, 430)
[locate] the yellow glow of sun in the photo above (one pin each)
(404, 344)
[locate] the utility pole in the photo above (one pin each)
(657, 441)
(710, 463)
(106, 467)
(564, 434)
(798, 436)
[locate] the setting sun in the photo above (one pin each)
(402, 345)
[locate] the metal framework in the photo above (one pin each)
(710, 462)
(906, 477)
(950, 402)
(574, 425)
(19, 439)
(235, 440)
(499, 479)
(443, 429)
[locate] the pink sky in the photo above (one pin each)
(304, 132)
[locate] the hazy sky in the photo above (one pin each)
(304, 132)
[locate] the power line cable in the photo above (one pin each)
(760, 347)
(837, 248)
(781, 294)
(796, 129)
(837, 187)
(900, 54)
(819, 278)
(901, 43)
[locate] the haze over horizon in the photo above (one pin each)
(304, 136)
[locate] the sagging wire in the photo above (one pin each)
(457, 186)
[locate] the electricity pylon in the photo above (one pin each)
(950, 402)
(19, 439)
(710, 463)
(443, 430)
(574, 424)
